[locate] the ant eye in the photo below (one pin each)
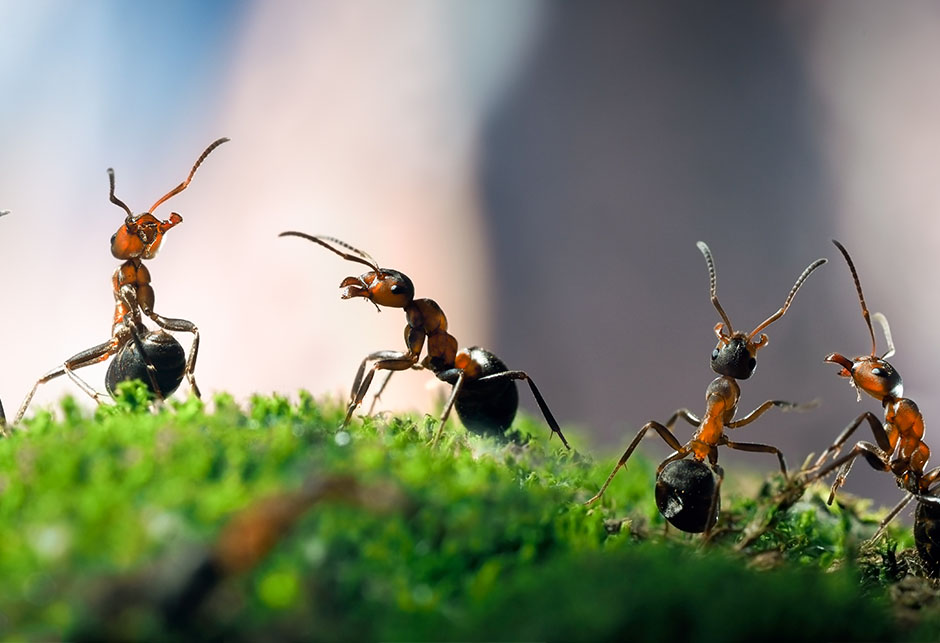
(715, 354)
(878, 371)
(752, 363)
(113, 237)
(395, 288)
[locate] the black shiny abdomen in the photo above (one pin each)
(927, 535)
(487, 408)
(686, 491)
(163, 351)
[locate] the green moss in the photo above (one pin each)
(108, 517)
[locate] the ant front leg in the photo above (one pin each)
(183, 326)
(876, 458)
(877, 429)
(663, 432)
(543, 406)
(384, 360)
(378, 395)
(94, 355)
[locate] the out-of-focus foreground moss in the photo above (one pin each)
(105, 521)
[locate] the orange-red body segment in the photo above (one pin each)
(721, 403)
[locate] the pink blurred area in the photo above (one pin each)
(352, 120)
(542, 170)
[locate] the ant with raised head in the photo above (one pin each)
(688, 481)
(899, 448)
(152, 356)
(484, 391)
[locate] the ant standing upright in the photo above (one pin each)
(687, 490)
(899, 448)
(154, 357)
(484, 391)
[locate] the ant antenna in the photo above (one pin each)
(883, 322)
(713, 283)
(799, 282)
(861, 297)
(182, 186)
(116, 201)
(358, 255)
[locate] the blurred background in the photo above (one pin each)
(541, 169)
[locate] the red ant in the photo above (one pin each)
(154, 357)
(687, 490)
(899, 448)
(484, 391)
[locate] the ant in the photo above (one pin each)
(154, 357)
(899, 448)
(484, 391)
(687, 490)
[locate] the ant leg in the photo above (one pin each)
(876, 428)
(3, 420)
(766, 406)
(715, 499)
(384, 360)
(757, 448)
(546, 413)
(663, 432)
(894, 512)
(876, 458)
(183, 326)
(684, 414)
(381, 390)
(458, 385)
(93, 355)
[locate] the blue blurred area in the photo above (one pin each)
(119, 69)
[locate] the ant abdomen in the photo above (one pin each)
(488, 407)
(927, 534)
(162, 350)
(687, 495)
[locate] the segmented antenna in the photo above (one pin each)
(358, 255)
(713, 284)
(116, 201)
(182, 186)
(799, 282)
(861, 297)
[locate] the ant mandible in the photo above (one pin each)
(154, 357)
(484, 391)
(899, 448)
(687, 490)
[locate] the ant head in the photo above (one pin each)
(869, 373)
(736, 353)
(141, 235)
(383, 287)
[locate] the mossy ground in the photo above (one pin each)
(108, 518)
